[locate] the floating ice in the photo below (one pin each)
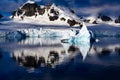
(83, 35)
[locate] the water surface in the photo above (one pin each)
(49, 59)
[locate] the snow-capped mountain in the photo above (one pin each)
(102, 19)
(30, 12)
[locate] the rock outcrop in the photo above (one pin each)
(51, 14)
(117, 20)
(104, 18)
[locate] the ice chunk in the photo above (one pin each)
(82, 35)
(84, 31)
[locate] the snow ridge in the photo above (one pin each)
(32, 13)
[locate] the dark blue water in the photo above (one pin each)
(49, 59)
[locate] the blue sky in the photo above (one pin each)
(92, 5)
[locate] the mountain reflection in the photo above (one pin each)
(105, 50)
(49, 53)
(35, 53)
(117, 50)
(0, 55)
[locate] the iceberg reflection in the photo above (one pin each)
(49, 53)
(36, 54)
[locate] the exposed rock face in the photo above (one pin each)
(1, 16)
(62, 19)
(90, 19)
(117, 20)
(95, 22)
(101, 19)
(29, 9)
(49, 13)
(41, 11)
(52, 18)
(87, 20)
(104, 18)
(72, 22)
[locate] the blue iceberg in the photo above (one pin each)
(83, 35)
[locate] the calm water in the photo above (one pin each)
(49, 59)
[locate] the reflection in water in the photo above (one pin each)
(50, 56)
(105, 50)
(50, 53)
(0, 54)
(117, 50)
(84, 48)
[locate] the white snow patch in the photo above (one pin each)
(30, 1)
(44, 19)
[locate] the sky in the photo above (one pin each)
(80, 6)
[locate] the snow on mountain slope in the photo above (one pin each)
(102, 19)
(32, 13)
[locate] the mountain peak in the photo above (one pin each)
(51, 14)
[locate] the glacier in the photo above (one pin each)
(72, 35)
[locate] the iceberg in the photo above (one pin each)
(83, 35)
